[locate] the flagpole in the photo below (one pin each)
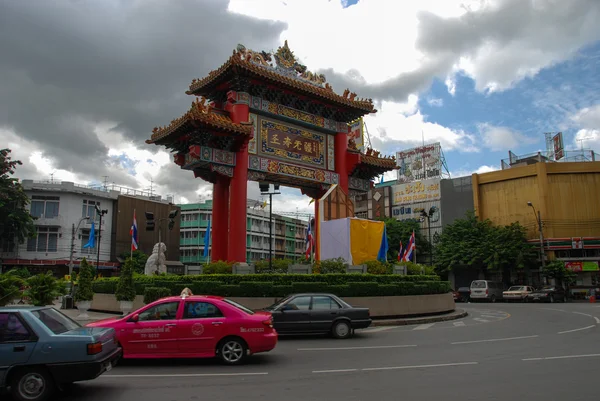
(415, 243)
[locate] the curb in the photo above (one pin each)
(423, 320)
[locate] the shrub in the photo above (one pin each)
(219, 267)
(279, 266)
(330, 266)
(21, 272)
(205, 288)
(256, 289)
(152, 294)
(85, 290)
(376, 267)
(363, 289)
(125, 290)
(414, 269)
(44, 288)
(10, 287)
(310, 287)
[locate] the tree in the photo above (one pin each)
(10, 287)
(557, 270)
(85, 291)
(472, 243)
(125, 287)
(139, 260)
(401, 230)
(16, 224)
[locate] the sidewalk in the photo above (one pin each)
(456, 314)
(92, 316)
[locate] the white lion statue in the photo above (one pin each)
(156, 262)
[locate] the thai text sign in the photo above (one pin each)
(291, 143)
(420, 163)
(559, 148)
(415, 192)
(355, 132)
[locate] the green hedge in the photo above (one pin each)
(205, 283)
(151, 294)
(250, 286)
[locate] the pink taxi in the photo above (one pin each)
(193, 327)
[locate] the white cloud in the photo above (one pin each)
(588, 136)
(503, 138)
(465, 171)
(435, 102)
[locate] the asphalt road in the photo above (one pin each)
(500, 351)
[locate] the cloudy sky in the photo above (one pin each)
(83, 82)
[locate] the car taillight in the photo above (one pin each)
(95, 348)
(268, 322)
(487, 292)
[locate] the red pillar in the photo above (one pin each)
(239, 113)
(220, 218)
(341, 146)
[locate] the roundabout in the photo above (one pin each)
(538, 352)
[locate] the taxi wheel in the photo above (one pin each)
(232, 351)
(33, 384)
(342, 330)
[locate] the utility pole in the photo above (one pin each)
(265, 190)
(100, 213)
(538, 217)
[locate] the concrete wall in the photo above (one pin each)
(456, 199)
(379, 306)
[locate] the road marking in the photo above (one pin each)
(457, 324)
(556, 310)
(423, 326)
(440, 365)
(562, 357)
(355, 348)
(335, 371)
(574, 330)
(492, 316)
(481, 320)
(378, 329)
(186, 375)
(494, 340)
(585, 314)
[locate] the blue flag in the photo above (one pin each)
(92, 241)
(383, 250)
(207, 240)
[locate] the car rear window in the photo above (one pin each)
(478, 284)
(240, 307)
(55, 321)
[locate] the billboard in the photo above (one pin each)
(356, 132)
(559, 148)
(416, 192)
(420, 163)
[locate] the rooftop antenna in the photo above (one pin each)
(105, 182)
(52, 177)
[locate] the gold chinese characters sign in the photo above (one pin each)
(413, 192)
(291, 143)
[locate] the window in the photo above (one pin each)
(324, 303)
(55, 321)
(44, 206)
(89, 209)
(46, 240)
(85, 238)
(241, 307)
(299, 303)
(12, 329)
(201, 310)
(165, 311)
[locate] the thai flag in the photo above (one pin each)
(309, 241)
(410, 249)
(134, 234)
(400, 252)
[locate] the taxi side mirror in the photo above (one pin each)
(135, 318)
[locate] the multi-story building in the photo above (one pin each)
(562, 198)
(61, 208)
(289, 234)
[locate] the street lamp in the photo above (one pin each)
(100, 213)
(428, 216)
(265, 190)
(538, 218)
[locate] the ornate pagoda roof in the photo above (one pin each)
(199, 114)
(285, 71)
(370, 164)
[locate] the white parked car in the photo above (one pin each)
(517, 293)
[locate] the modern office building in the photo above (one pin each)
(289, 234)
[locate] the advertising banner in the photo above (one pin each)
(419, 191)
(356, 132)
(559, 148)
(582, 266)
(420, 163)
